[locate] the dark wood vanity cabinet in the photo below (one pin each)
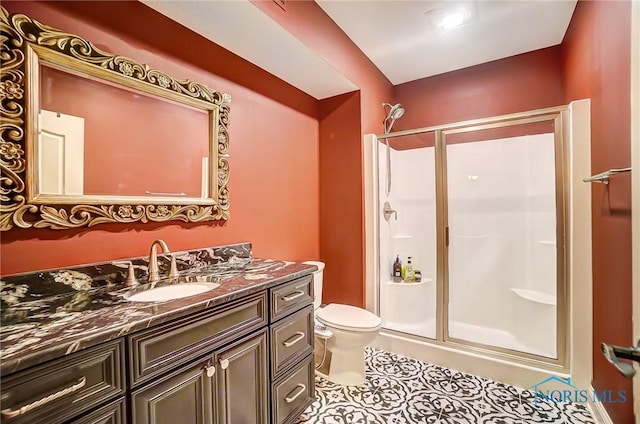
(255, 365)
(65, 388)
(227, 386)
(292, 341)
(227, 382)
(246, 361)
(242, 382)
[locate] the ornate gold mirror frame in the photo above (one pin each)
(24, 43)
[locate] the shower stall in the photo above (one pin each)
(479, 207)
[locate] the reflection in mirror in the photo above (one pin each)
(122, 154)
(60, 154)
(89, 137)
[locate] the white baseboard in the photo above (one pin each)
(597, 410)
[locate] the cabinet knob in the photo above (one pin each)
(211, 370)
(224, 364)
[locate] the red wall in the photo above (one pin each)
(309, 23)
(274, 182)
(515, 84)
(341, 213)
(343, 121)
(597, 63)
(147, 31)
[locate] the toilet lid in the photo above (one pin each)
(348, 317)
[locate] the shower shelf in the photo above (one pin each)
(404, 283)
(547, 242)
(535, 296)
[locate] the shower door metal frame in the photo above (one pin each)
(559, 116)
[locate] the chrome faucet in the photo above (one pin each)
(153, 261)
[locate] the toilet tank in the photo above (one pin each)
(317, 283)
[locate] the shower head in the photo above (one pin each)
(395, 112)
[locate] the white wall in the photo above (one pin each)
(409, 306)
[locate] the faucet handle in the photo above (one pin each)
(387, 211)
(173, 270)
(130, 279)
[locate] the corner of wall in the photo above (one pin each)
(598, 411)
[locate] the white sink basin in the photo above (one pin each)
(176, 291)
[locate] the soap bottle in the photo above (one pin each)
(397, 268)
(409, 274)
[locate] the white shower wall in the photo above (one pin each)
(502, 251)
(409, 307)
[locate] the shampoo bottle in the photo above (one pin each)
(397, 268)
(409, 276)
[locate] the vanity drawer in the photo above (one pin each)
(114, 413)
(291, 296)
(293, 393)
(169, 345)
(291, 339)
(63, 389)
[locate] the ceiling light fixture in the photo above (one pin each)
(454, 16)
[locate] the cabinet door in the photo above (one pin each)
(182, 397)
(114, 413)
(242, 385)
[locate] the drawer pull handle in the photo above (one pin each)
(296, 294)
(302, 388)
(294, 339)
(9, 413)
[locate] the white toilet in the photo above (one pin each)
(348, 330)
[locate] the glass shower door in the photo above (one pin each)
(408, 229)
(502, 237)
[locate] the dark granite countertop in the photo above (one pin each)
(73, 311)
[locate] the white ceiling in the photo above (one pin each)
(398, 37)
(242, 28)
(394, 34)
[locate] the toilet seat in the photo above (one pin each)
(350, 318)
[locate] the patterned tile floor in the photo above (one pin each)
(401, 390)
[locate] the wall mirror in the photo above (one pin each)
(89, 137)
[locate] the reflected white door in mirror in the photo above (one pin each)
(61, 153)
